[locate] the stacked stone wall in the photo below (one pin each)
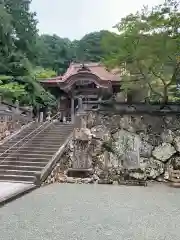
(147, 146)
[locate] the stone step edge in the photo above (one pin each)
(18, 194)
(17, 176)
(27, 154)
(21, 166)
(21, 171)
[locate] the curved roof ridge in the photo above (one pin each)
(95, 68)
(88, 64)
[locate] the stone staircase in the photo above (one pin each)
(27, 156)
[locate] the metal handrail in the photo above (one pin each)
(32, 138)
(15, 134)
(28, 140)
(29, 135)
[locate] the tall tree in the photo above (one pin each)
(24, 24)
(89, 48)
(17, 37)
(6, 39)
(149, 42)
(54, 52)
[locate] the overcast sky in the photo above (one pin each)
(75, 18)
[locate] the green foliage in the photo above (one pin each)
(23, 23)
(146, 47)
(13, 91)
(18, 35)
(36, 94)
(89, 48)
(41, 73)
(53, 52)
(56, 53)
(21, 50)
(148, 44)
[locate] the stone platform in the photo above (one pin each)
(11, 190)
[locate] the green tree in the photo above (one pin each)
(37, 96)
(57, 53)
(89, 48)
(54, 53)
(149, 42)
(18, 34)
(6, 40)
(11, 90)
(24, 26)
(41, 73)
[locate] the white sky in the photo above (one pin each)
(75, 18)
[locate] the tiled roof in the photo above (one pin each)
(97, 69)
(53, 80)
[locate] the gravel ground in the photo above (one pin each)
(93, 212)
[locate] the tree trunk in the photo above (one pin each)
(165, 95)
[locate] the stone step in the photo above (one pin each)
(39, 149)
(17, 178)
(43, 147)
(18, 167)
(19, 172)
(25, 163)
(32, 148)
(56, 126)
(62, 133)
(56, 132)
(43, 143)
(34, 151)
(32, 143)
(31, 153)
(35, 140)
(59, 124)
(15, 140)
(27, 153)
(56, 135)
(28, 128)
(46, 139)
(35, 155)
(48, 136)
(51, 146)
(54, 145)
(55, 129)
(19, 181)
(27, 159)
(24, 133)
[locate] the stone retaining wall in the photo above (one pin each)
(147, 146)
